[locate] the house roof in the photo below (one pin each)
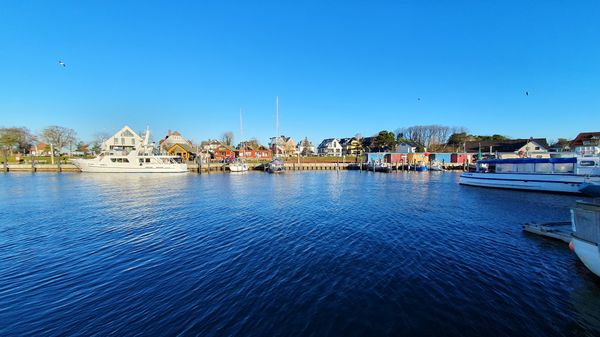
(327, 142)
(510, 145)
(409, 142)
(184, 146)
(585, 136)
(346, 141)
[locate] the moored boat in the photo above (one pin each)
(141, 160)
(276, 166)
(585, 218)
(579, 175)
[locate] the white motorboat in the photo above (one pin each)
(585, 219)
(143, 160)
(579, 175)
(238, 166)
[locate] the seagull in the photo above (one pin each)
(419, 99)
(526, 93)
(61, 63)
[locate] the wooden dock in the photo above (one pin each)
(205, 167)
(554, 230)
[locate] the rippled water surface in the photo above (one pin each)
(296, 254)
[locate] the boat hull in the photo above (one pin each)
(238, 168)
(588, 253)
(95, 167)
(532, 182)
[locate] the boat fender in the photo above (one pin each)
(571, 246)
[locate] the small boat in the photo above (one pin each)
(436, 166)
(354, 166)
(579, 175)
(275, 166)
(420, 167)
(585, 219)
(237, 166)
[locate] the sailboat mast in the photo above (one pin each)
(276, 124)
(241, 125)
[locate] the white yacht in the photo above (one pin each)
(579, 174)
(142, 160)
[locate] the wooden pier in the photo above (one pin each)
(554, 230)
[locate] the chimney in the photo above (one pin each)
(170, 133)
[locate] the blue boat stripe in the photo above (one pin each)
(525, 180)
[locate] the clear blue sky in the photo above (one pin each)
(339, 68)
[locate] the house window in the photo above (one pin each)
(116, 140)
(123, 141)
(537, 147)
(132, 141)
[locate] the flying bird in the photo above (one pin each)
(526, 93)
(61, 63)
(419, 99)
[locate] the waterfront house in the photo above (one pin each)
(125, 140)
(441, 157)
(586, 139)
(184, 150)
(586, 144)
(283, 146)
(352, 146)
(254, 151)
(513, 148)
(175, 144)
(371, 157)
(306, 147)
(223, 151)
(408, 146)
(396, 158)
(210, 145)
(41, 149)
(330, 147)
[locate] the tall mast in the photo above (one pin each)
(241, 125)
(276, 123)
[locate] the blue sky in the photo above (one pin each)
(339, 68)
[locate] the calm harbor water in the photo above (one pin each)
(297, 254)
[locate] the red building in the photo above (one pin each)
(223, 152)
(460, 158)
(255, 152)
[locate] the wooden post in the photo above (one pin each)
(59, 163)
(5, 162)
(32, 162)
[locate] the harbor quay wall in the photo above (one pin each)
(210, 167)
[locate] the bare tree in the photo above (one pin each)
(16, 140)
(60, 137)
(227, 138)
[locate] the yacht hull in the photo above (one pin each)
(95, 167)
(588, 253)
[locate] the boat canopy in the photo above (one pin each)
(529, 161)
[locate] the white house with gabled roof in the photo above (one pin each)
(124, 140)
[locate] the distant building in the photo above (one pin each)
(41, 149)
(586, 139)
(330, 147)
(125, 140)
(282, 145)
(408, 146)
(513, 148)
(223, 152)
(308, 150)
(352, 146)
(253, 151)
(183, 150)
(210, 145)
(175, 144)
